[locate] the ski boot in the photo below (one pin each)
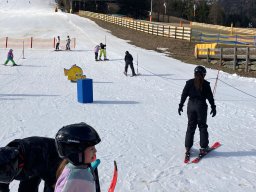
(187, 156)
(203, 151)
(125, 73)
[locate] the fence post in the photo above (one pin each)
(6, 42)
(31, 42)
(175, 32)
(208, 55)
(148, 28)
(169, 32)
(221, 55)
(183, 33)
(157, 30)
(247, 59)
(54, 42)
(235, 58)
(23, 51)
(190, 34)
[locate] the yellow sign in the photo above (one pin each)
(202, 49)
(74, 73)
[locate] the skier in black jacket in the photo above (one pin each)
(198, 90)
(128, 62)
(29, 160)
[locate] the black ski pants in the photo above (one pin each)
(96, 56)
(197, 116)
(57, 46)
(131, 66)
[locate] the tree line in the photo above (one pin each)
(240, 13)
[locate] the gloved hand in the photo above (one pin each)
(180, 109)
(213, 111)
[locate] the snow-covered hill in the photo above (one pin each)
(136, 117)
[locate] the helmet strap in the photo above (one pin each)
(92, 171)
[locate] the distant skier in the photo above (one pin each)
(10, 58)
(96, 52)
(29, 160)
(103, 51)
(128, 62)
(68, 43)
(76, 145)
(198, 90)
(58, 43)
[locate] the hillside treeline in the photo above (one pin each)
(242, 13)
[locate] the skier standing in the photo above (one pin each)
(96, 52)
(58, 43)
(76, 145)
(10, 58)
(68, 43)
(198, 90)
(128, 62)
(29, 160)
(103, 51)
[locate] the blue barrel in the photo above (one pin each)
(84, 91)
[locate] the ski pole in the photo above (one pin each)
(137, 63)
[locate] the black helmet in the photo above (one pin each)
(126, 52)
(72, 140)
(200, 70)
(9, 164)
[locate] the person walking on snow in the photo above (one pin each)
(68, 43)
(78, 170)
(58, 43)
(96, 52)
(128, 62)
(103, 51)
(29, 160)
(10, 58)
(198, 90)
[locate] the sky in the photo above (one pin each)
(136, 117)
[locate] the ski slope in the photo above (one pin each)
(136, 117)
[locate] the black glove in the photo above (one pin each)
(180, 109)
(213, 111)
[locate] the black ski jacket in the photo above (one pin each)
(41, 161)
(193, 94)
(128, 58)
(102, 46)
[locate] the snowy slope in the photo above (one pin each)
(136, 117)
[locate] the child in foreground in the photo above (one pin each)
(78, 171)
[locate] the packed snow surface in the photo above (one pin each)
(136, 117)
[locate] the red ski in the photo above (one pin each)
(114, 180)
(213, 147)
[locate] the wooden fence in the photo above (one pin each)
(246, 40)
(235, 54)
(232, 30)
(147, 27)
